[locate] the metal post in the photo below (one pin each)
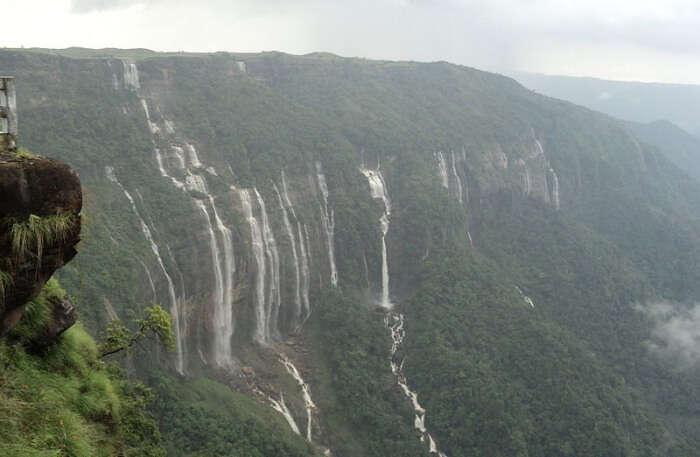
(8, 114)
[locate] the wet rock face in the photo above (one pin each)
(40, 187)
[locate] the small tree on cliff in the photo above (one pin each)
(156, 323)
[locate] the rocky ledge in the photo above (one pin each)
(40, 204)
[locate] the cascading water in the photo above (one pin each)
(273, 298)
(328, 222)
(131, 75)
(395, 323)
(378, 191)
(303, 252)
(305, 282)
(261, 322)
(185, 158)
(442, 170)
(150, 281)
(295, 256)
(458, 180)
(525, 298)
(174, 305)
(305, 393)
(281, 408)
(555, 188)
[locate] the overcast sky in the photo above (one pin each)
(644, 40)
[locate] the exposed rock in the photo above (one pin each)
(41, 187)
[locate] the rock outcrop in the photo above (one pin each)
(40, 200)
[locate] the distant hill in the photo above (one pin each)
(632, 101)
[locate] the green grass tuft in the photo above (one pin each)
(6, 282)
(31, 236)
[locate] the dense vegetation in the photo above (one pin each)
(65, 401)
(201, 418)
(572, 376)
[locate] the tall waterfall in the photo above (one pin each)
(295, 257)
(174, 305)
(223, 279)
(131, 75)
(328, 222)
(442, 169)
(303, 252)
(458, 180)
(273, 288)
(395, 323)
(262, 328)
(183, 157)
(378, 191)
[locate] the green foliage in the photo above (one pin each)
(24, 153)
(69, 404)
(156, 323)
(201, 418)
(6, 283)
(37, 232)
(37, 312)
(364, 407)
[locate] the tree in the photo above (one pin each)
(156, 323)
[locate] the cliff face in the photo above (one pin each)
(40, 203)
(271, 202)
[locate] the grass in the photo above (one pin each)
(37, 232)
(6, 282)
(61, 405)
(25, 154)
(37, 312)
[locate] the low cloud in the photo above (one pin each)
(676, 332)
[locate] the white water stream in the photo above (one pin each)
(295, 257)
(328, 222)
(273, 260)
(305, 393)
(442, 170)
(378, 191)
(183, 156)
(458, 180)
(174, 305)
(257, 246)
(395, 323)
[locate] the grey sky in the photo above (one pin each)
(618, 39)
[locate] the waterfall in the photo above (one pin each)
(174, 305)
(297, 276)
(555, 188)
(131, 76)
(281, 408)
(328, 222)
(304, 274)
(223, 279)
(525, 298)
(553, 196)
(261, 333)
(458, 180)
(305, 392)
(185, 157)
(395, 323)
(193, 156)
(224, 318)
(442, 170)
(303, 252)
(152, 126)
(378, 191)
(273, 289)
(150, 281)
